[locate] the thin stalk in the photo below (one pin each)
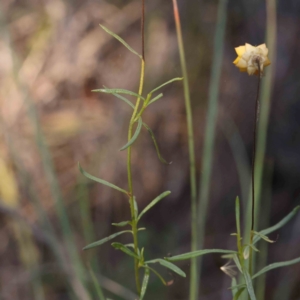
(265, 106)
(207, 156)
(129, 172)
(264, 117)
(194, 242)
(260, 284)
(253, 165)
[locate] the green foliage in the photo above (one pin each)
(242, 257)
(104, 182)
(120, 40)
(123, 248)
(106, 239)
(153, 202)
(145, 283)
(136, 253)
(135, 136)
(168, 265)
(192, 254)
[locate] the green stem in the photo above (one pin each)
(209, 140)
(130, 185)
(194, 242)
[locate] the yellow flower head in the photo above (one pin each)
(252, 59)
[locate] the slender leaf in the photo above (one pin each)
(121, 224)
(168, 265)
(238, 294)
(122, 98)
(108, 238)
(237, 216)
(104, 182)
(145, 283)
(253, 247)
(277, 265)
(135, 136)
(233, 286)
(155, 98)
(238, 286)
(156, 145)
(153, 202)
(278, 225)
(157, 274)
(264, 237)
(237, 262)
(123, 248)
(118, 91)
(197, 253)
(249, 285)
(97, 286)
(120, 40)
(136, 208)
(168, 82)
(246, 252)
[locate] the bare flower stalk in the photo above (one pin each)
(256, 118)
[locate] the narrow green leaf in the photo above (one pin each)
(237, 262)
(123, 248)
(118, 91)
(277, 265)
(155, 98)
(131, 245)
(264, 237)
(157, 274)
(249, 285)
(120, 40)
(278, 225)
(233, 286)
(136, 208)
(168, 82)
(104, 182)
(97, 286)
(122, 98)
(238, 294)
(246, 252)
(153, 202)
(253, 247)
(237, 216)
(135, 136)
(238, 286)
(141, 254)
(168, 265)
(156, 145)
(197, 253)
(145, 283)
(108, 238)
(121, 224)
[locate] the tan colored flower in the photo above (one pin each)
(252, 59)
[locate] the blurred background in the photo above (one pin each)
(52, 54)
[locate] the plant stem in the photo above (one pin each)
(194, 272)
(130, 185)
(253, 165)
(209, 140)
(129, 173)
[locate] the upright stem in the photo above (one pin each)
(254, 150)
(130, 185)
(129, 173)
(194, 272)
(253, 164)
